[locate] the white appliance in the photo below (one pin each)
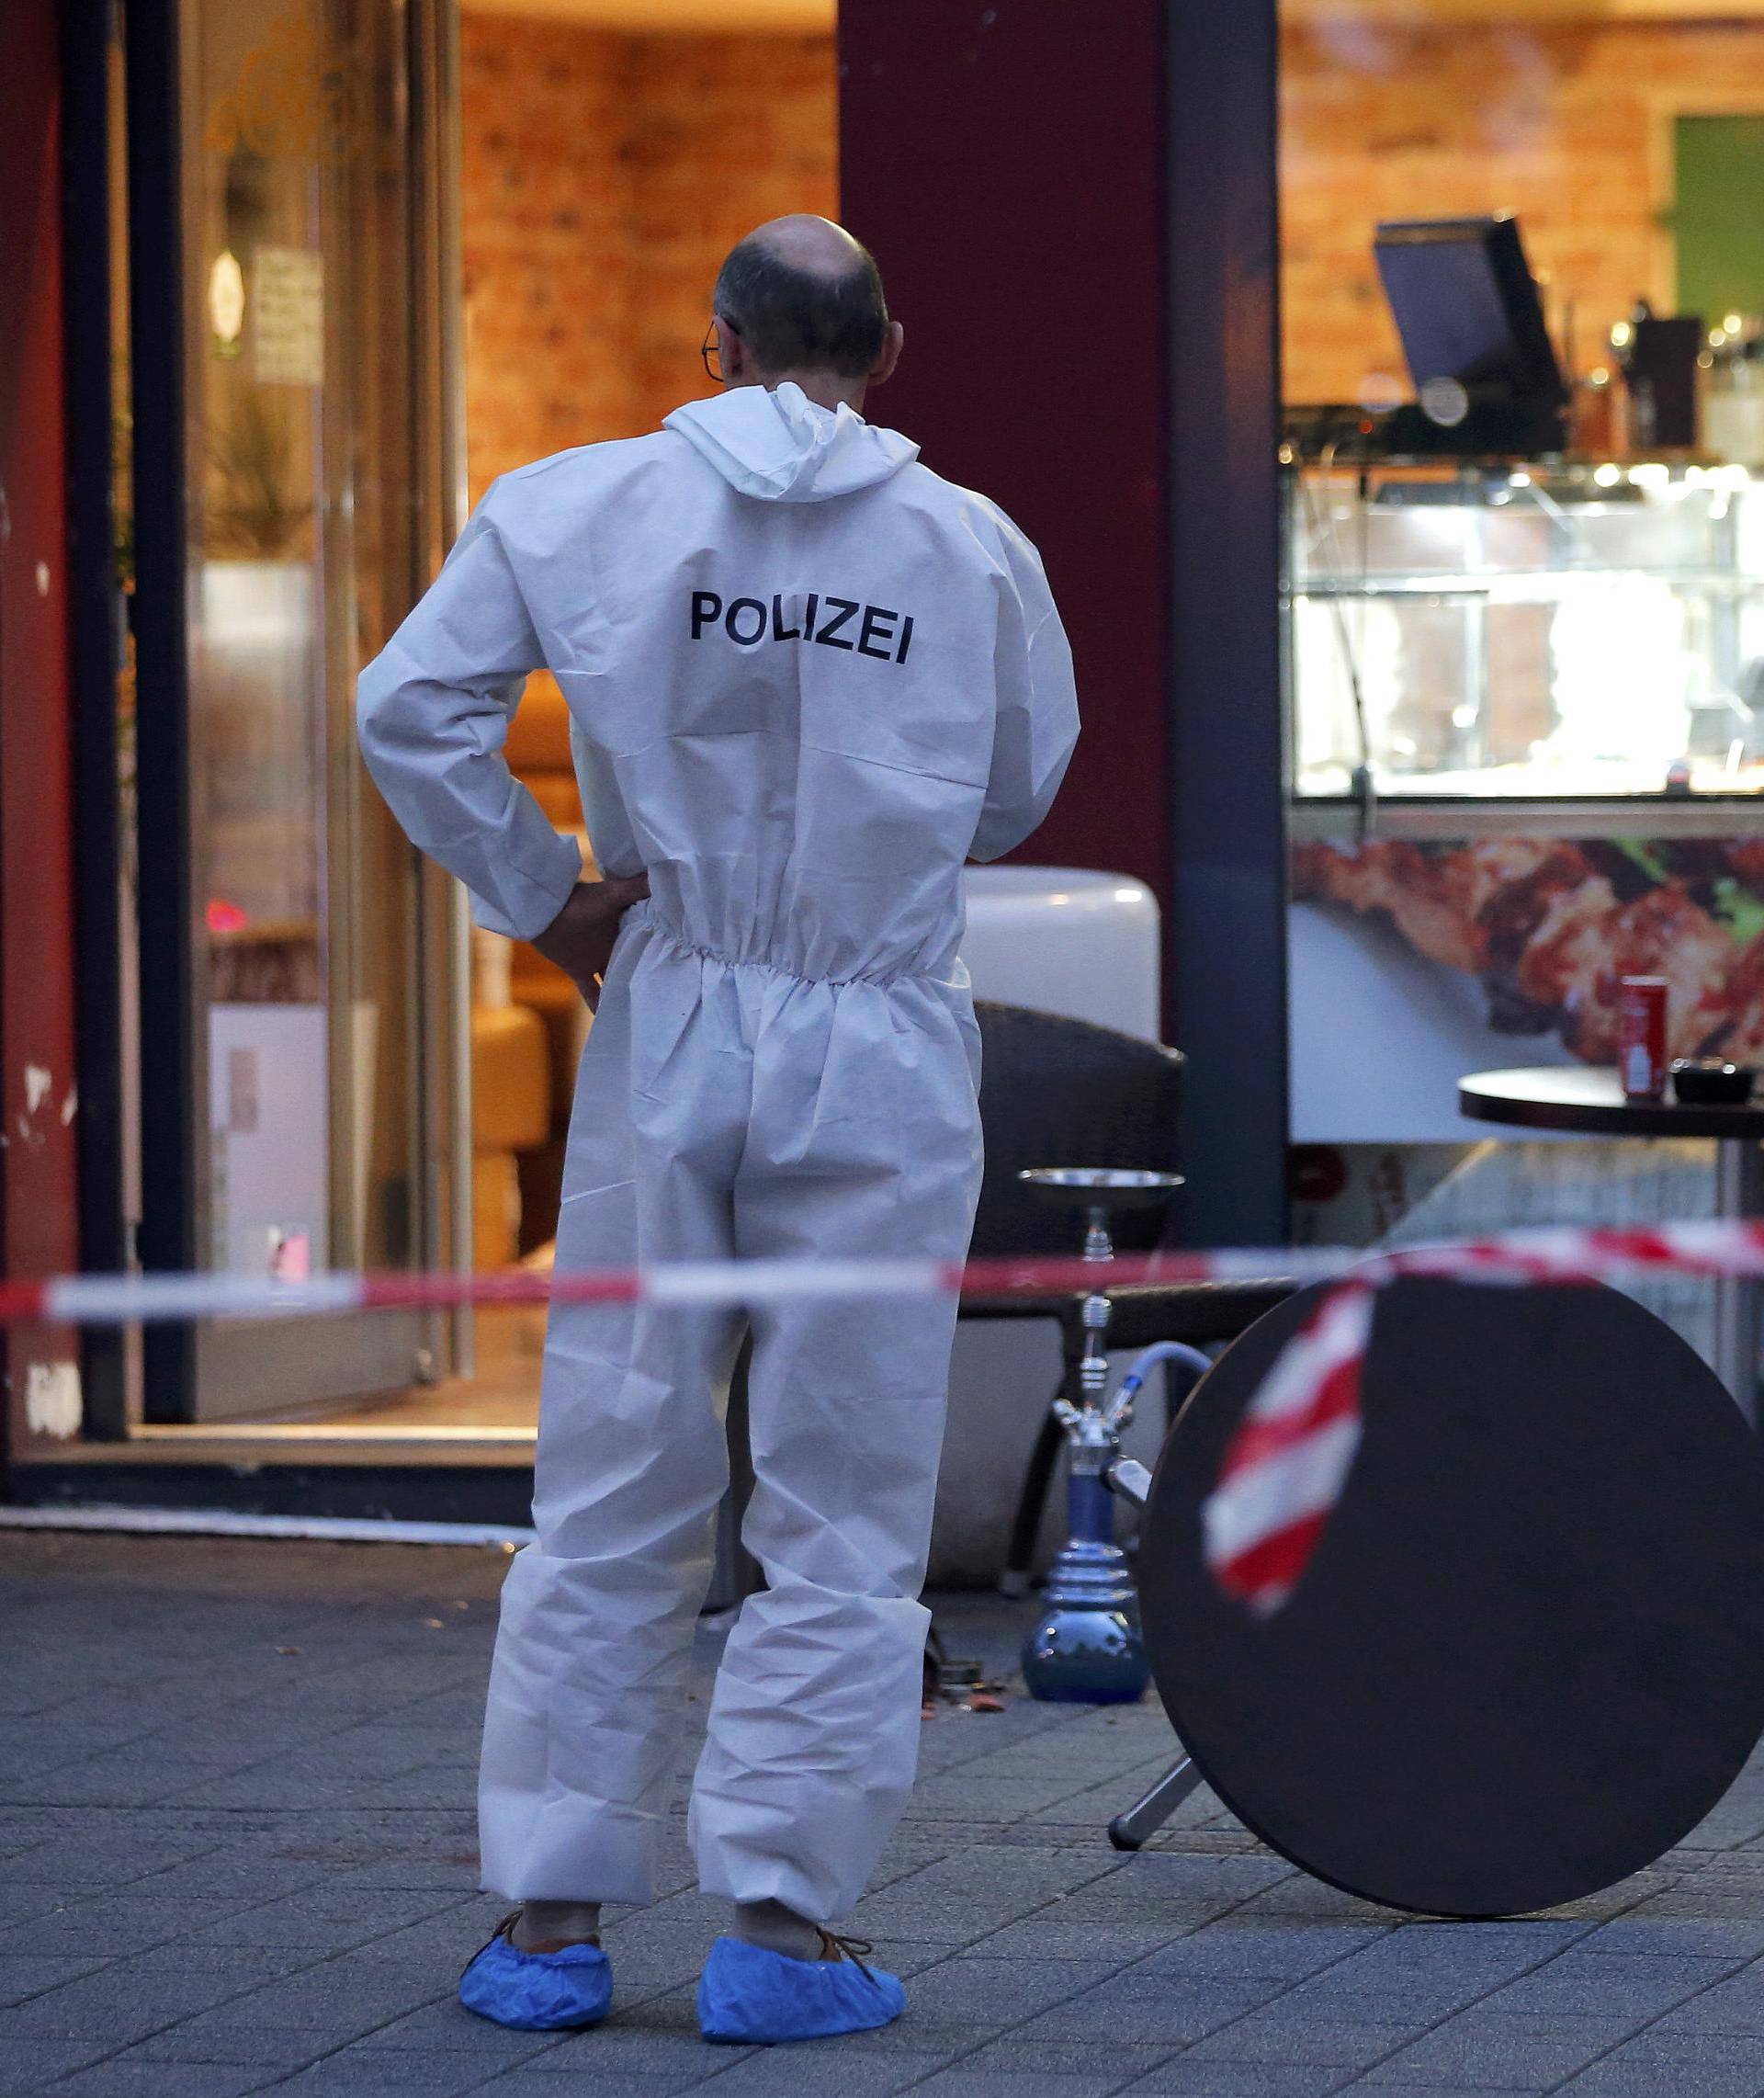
(1066, 939)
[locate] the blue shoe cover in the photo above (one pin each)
(748, 1995)
(537, 1992)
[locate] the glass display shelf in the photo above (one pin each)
(1549, 633)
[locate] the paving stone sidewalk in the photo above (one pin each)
(236, 1855)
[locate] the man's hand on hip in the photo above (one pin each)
(579, 938)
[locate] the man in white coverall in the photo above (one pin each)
(808, 680)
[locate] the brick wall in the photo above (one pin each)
(1566, 126)
(604, 177)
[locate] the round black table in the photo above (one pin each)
(1528, 1655)
(1590, 1102)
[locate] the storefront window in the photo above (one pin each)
(1536, 569)
(309, 520)
(1523, 461)
(378, 1088)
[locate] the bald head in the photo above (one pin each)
(801, 240)
(804, 297)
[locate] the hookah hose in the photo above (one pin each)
(1149, 1359)
(1088, 1498)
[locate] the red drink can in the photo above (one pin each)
(1641, 1037)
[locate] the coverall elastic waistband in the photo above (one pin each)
(648, 913)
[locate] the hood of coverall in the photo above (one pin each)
(780, 447)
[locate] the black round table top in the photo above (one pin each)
(1590, 1099)
(1527, 1657)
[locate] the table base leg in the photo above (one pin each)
(1146, 1816)
(1739, 1332)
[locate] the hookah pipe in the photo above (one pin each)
(1086, 1647)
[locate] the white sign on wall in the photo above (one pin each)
(270, 1136)
(288, 316)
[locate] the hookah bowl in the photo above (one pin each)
(1086, 1647)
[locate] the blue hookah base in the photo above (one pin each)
(1086, 1648)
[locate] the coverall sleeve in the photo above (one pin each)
(1037, 717)
(433, 711)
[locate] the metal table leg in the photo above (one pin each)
(1144, 1818)
(1739, 1194)
(1132, 1483)
(1032, 1501)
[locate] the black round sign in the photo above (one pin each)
(1528, 1655)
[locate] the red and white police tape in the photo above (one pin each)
(1283, 1469)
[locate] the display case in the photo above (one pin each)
(1526, 724)
(1534, 632)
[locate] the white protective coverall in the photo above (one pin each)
(808, 679)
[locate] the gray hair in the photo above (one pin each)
(801, 320)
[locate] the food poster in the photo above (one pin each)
(1414, 962)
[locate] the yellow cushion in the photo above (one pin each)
(538, 736)
(511, 1079)
(495, 1209)
(556, 793)
(542, 984)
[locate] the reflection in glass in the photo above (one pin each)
(307, 505)
(1545, 632)
(1577, 622)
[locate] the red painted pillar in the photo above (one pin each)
(1004, 159)
(38, 1214)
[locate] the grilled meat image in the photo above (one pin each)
(1550, 926)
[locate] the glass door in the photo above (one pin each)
(319, 470)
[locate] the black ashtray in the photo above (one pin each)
(1707, 1081)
